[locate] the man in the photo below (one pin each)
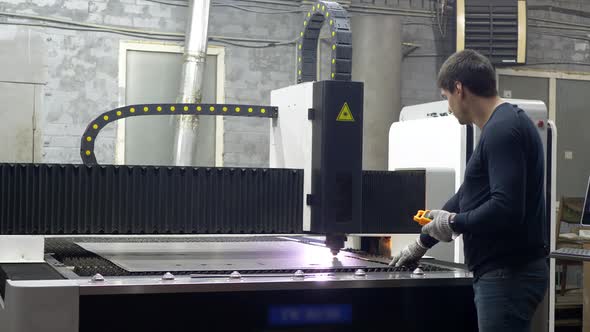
(500, 207)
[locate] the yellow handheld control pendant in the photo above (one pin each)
(421, 219)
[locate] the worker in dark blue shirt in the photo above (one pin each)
(500, 207)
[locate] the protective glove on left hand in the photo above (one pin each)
(410, 254)
(439, 228)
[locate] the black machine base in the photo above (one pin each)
(395, 309)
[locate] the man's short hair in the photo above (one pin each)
(473, 70)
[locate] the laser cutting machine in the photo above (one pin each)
(119, 250)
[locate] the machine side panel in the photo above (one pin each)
(427, 110)
(25, 271)
(290, 135)
(440, 187)
(40, 306)
(391, 199)
(428, 143)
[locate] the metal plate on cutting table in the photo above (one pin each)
(223, 256)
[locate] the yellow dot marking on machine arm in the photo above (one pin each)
(250, 110)
(224, 108)
(172, 108)
(185, 108)
(89, 139)
(313, 8)
(95, 126)
(308, 14)
(159, 108)
(334, 47)
(333, 33)
(299, 72)
(88, 152)
(333, 61)
(333, 75)
(118, 113)
(237, 110)
(304, 23)
(323, 8)
(328, 14)
(211, 109)
(132, 110)
(331, 22)
(145, 109)
(299, 46)
(199, 108)
(301, 33)
(106, 118)
(299, 59)
(262, 111)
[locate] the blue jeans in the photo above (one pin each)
(506, 299)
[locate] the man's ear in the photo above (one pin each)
(459, 88)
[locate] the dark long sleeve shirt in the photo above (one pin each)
(501, 204)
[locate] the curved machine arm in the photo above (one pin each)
(340, 37)
(91, 132)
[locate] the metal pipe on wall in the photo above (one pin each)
(376, 61)
(193, 68)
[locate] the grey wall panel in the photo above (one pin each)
(573, 140)
(23, 55)
(154, 77)
(520, 87)
(16, 122)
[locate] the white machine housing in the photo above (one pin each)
(291, 135)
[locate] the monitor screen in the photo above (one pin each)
(586, 207)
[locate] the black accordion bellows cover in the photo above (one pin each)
(107, 199)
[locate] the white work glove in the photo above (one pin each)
(439, 228)
(410, 254)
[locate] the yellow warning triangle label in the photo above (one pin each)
(345, 114)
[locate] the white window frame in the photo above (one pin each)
(147, 46)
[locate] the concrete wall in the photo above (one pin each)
(549, 45)
(250, 76)
(544, 46)
(80, 69)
